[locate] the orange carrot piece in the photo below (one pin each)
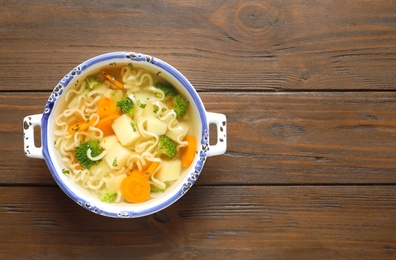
(112, 79)
(135, 171)
(80, 126)
(105, 124)
(150, 170)
(135, 188)
(106, 107)
(170, 103)
(187, 153)
(74, 161)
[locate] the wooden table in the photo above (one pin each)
(308, 88)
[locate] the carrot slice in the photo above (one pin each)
(105, 124)
(106, 107)
(150, 170)
(80, 126)
(187, 153)
(112, 79)
(135, 188)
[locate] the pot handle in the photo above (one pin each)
(30, 148)
(220, 121)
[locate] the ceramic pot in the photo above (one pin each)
(87, 199)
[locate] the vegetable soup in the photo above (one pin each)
(125, 133)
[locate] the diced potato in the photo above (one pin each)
(108, 141)
(149, 110)
(144, 96)
(114, 95)
(109, 92)
(156, 126)
(169, 171)
(180, 131)
(100, 170)
(114, 184)
(117, 156)
(124, 131)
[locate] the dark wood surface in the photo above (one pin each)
(309, 91)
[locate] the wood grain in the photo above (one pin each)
(218, 45)
(308, 88)
(287, 138)
(268, 222)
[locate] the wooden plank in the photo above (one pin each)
(286, 138)
(258, 222)
(288, 45)
(305, 138)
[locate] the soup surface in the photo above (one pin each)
(125, 134)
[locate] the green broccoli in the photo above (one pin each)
(82, 150)
(168, 89)
(126, 106)
(155, 189)
(108, 196)
(180, 106)
(92, 82)
(166, 147)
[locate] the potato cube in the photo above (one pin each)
(117, 156)
(144, 96)
(114, 184)
(126, 133)
(108, 141)
(100, 170)
(156, 126)
(149, 110)
(115, 95)
(169, 171)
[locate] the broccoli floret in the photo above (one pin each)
(168, 89)
(108, 196)
(126, 106)
(166, 147)
(155, 189)
(92, 82)
(180, 106)
(82, 150)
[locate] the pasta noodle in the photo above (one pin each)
(123, 151)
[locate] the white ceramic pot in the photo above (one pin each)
(87, 199)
